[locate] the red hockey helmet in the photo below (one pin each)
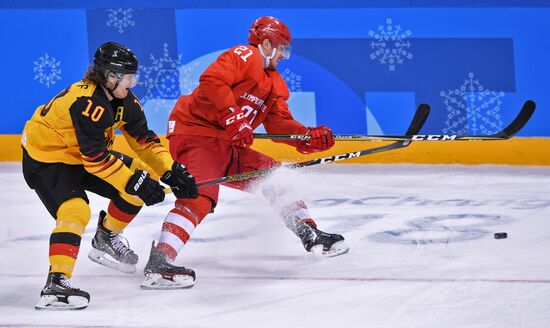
(271, 28)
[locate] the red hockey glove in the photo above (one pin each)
(320, 140)
(236, 126)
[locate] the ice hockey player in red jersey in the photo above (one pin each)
(211, 131)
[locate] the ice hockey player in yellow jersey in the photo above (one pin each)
(67, 149)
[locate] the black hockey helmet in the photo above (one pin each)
(116, 58)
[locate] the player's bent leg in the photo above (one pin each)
(109, 247)
(179, 224)
(58, 294)
(294, 213)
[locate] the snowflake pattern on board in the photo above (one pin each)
(187, 81)
(390, 45)
(472, 109)
(47, 70)
(293, 80)
(161, 79)
(120, 18)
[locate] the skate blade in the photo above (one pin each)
(106, 260)
(51, 303)
(336, 249)
(157, 281)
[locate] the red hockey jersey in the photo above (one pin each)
(236, 78)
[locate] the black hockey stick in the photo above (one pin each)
(508, 132)
(416, 124)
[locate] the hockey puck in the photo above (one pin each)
(501, 235)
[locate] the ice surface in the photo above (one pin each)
(422, 255)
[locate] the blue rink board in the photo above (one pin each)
(360, 67)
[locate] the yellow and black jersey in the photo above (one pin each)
(78, 127)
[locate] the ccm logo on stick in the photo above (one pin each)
(433, 137)
(340, 157)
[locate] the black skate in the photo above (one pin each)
(109, 250)
(319, 243)
(161, 274)
(59, 295)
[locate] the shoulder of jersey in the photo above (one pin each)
(89, 90)
(246, 53)
(83, 89)
(132, 101)
(280, 88)
(79, 92)
(88, 98)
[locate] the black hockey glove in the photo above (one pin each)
(149, 190)
(182, 182)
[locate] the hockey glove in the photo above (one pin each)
(182, 182)
(321, 139)
(236, 126)
(149, 190)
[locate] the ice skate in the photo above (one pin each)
(58, 294)
(109, 250)
(161, 274)
(319, 243)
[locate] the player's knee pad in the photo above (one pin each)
(73, 216)
(199, 207)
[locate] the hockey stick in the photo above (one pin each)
(416, 124)
(517, 124)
